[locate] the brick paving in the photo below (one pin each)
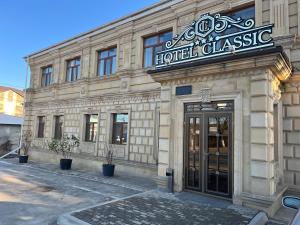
(160, 208)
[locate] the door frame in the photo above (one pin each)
(176, 155)
(203, 158)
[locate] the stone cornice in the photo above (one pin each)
(83, 81)
(281, 68)
(294, 78)
(103, 99)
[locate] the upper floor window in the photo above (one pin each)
(120, 127)
(91, 126)
(244, 13)
(46, 76)
(41, 126)
(107, 62)
(154, 44)
(73, 69)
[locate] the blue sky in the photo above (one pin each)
(29, 25)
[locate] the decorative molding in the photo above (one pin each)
(281, 68)
(205, 95)
(119, 98)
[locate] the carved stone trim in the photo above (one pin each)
(205, 95)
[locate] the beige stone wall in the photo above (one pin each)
(254, 86)
(143, 117)
(263, 162)
(131, 80)
(291, 126)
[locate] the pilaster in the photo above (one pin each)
(85, 60)
(279, 15)
(164, 133)
(262, 140)
(258, 12)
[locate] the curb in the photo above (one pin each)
(260, 218)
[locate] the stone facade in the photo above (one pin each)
(291, 128)
(265, 159)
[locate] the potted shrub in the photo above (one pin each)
(108, 169)
(65, 147)
(26, 142)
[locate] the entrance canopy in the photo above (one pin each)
(272, 58)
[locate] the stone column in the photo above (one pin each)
(262, 140)
(164, 132)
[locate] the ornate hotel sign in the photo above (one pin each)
(213, 36)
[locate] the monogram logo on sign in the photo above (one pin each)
(212, 36)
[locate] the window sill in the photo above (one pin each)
(89, 142)
(119, 144)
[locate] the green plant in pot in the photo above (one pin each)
(26, 143)
(108, 169)
(65, 147)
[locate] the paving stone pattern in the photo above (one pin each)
(157, 210)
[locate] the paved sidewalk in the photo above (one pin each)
(38, 193)
(161, 208)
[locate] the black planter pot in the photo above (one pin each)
(65, 164)
(108, 170)
(23, 158)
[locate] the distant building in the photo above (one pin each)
(11, 101)
(10, 129)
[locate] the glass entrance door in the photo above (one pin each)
(208, 147)
(218, 153)
(193, 153)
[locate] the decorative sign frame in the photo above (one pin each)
(210, 36)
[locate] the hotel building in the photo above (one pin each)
(208, 88)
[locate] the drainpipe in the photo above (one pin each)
(22, 125)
